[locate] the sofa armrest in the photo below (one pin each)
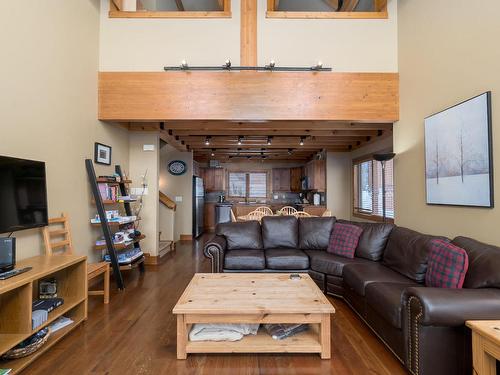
(214, 250)
(451, 307)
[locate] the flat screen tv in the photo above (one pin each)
(23, 194)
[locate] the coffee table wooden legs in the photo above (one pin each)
(317, 340)
(324, 337)
(182, 337)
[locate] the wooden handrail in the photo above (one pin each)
(169, 203)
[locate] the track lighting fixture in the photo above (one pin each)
(213, 152)
(302, 141)
(290, 151)
(229, 66)
(271, 65)
(318, 66)
(240, 140)
(207, 141)
(269, 140)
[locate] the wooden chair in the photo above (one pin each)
(327, 213)
(254, 215)
(301, 214)
(65, 246)
(265, 210)
(287, 211)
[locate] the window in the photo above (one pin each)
(247, 184)
(170, 9)
(327, 9)
(368, 189)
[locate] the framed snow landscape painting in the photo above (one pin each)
(458, 154)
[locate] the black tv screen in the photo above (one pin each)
(23, 194)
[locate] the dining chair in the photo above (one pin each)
(265, 210)
(287, 211)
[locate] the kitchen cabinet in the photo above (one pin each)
(281, 180)
(296, 179)
(214, 179)
(316, 175)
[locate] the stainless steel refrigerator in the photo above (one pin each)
(198, 206)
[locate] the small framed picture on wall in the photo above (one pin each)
(102, 154)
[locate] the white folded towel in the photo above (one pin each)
(221, 332)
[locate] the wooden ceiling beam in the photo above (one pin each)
(277, 133)
(273, 125)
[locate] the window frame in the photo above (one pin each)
(380, 4)
(115, 12)
(355, 191)
(247, 187)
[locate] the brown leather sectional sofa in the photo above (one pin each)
(384, 283)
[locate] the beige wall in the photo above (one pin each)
(178, 186)
(146, 163)
(345, 45)
(447, 53)
(338, 183)
(48, 110)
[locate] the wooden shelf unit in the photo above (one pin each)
(17, 295)
(106, 225)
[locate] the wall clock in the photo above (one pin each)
(177, 167)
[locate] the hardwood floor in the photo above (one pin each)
(136, 334)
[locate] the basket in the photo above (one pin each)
(32, 347)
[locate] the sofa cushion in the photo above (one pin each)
(330, 264)
(407, 252)
(373, 240)
(344, 240)
(280, 232)
(286, 259)
(387, 300)
(245, 260)
(484, 263)
(447, 265)
(358, 276)
(314, 232)
(241, 235)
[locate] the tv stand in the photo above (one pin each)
(16, 298)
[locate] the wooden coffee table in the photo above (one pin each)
(254, 298)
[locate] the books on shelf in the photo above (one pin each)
(60, 324)
(116, 219)
(108, 192)
(126, 257)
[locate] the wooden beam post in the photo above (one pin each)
(248, 53)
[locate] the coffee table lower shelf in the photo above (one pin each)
(304, 342)
(315, 340)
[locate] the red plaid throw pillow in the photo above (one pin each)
(344, 240)
(447, 265)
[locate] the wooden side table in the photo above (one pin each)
(485, 345)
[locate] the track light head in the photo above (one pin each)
(213, 152)
(207, 141)
(184, 64)
(227, 64)
(272, 65)
(318, 66)
(290, 151)
(302, 141)
(240, 140)
(269, 141)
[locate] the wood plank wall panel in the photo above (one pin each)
(164, 96)
(248, 53)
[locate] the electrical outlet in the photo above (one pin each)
(178, 198)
